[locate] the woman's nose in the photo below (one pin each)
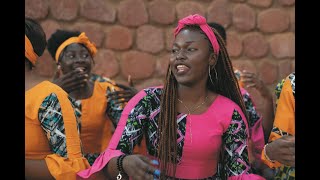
(181, 55)
(81, 59)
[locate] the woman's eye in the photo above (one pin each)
(85, 55)
(174, 50)
(192, 49)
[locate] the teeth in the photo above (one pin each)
(82, 68)
(181, 66)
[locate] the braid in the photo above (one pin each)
(167, 150)
(227, 84)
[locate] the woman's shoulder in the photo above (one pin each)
(223, 107)
(43, 90)
(226, 103)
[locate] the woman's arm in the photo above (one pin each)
(128, 133)
(255, 126)
(236, 161)
(281, 147)
(251, 80)
(115, 104)
(37, 169)
(49, 130)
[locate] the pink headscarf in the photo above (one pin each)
(201, 21)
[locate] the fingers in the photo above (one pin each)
(130, 81)
(123, 86)
(72, 83)
(288, 160)
(146, 168)
(246, 74)
(288, 141)
(121, 94)
(151, 169)
(57, 73)
(251, 85)
(121, 101)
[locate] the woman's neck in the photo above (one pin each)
(192, 94)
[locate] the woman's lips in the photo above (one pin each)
(181, 69)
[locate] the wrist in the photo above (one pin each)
(122, 172)
(265, 153)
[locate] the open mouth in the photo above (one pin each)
(82, 68)
(181, 68)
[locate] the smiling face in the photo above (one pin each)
(190, 57)
(76, 56)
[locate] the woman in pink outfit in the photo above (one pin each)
(194, 126)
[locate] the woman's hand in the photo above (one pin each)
(139, 167)
(282, 150)
(70, 81)
(250, 80)
(125, 94)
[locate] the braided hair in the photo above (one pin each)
(225, 84)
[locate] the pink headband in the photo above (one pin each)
(196, 19)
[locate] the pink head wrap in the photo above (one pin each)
(196, 19)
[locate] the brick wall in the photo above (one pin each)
(134, 36)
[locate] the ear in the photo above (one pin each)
(212, 59)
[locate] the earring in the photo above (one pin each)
(210, 76)
(215, 73)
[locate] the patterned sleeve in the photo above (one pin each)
(255, 126)
(254, 117)
(134, 128)
(235, 157)
(51, 119)
(236, 160)
(277, 90)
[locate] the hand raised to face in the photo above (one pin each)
(251, 80)
(70, 81)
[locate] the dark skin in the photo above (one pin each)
(189, 62)
(37, 169)
(282, 150)
(74, 69)
(191, 50)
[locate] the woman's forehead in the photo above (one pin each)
(75, 46)
(188, 35)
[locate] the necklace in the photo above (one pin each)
(191, 111)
